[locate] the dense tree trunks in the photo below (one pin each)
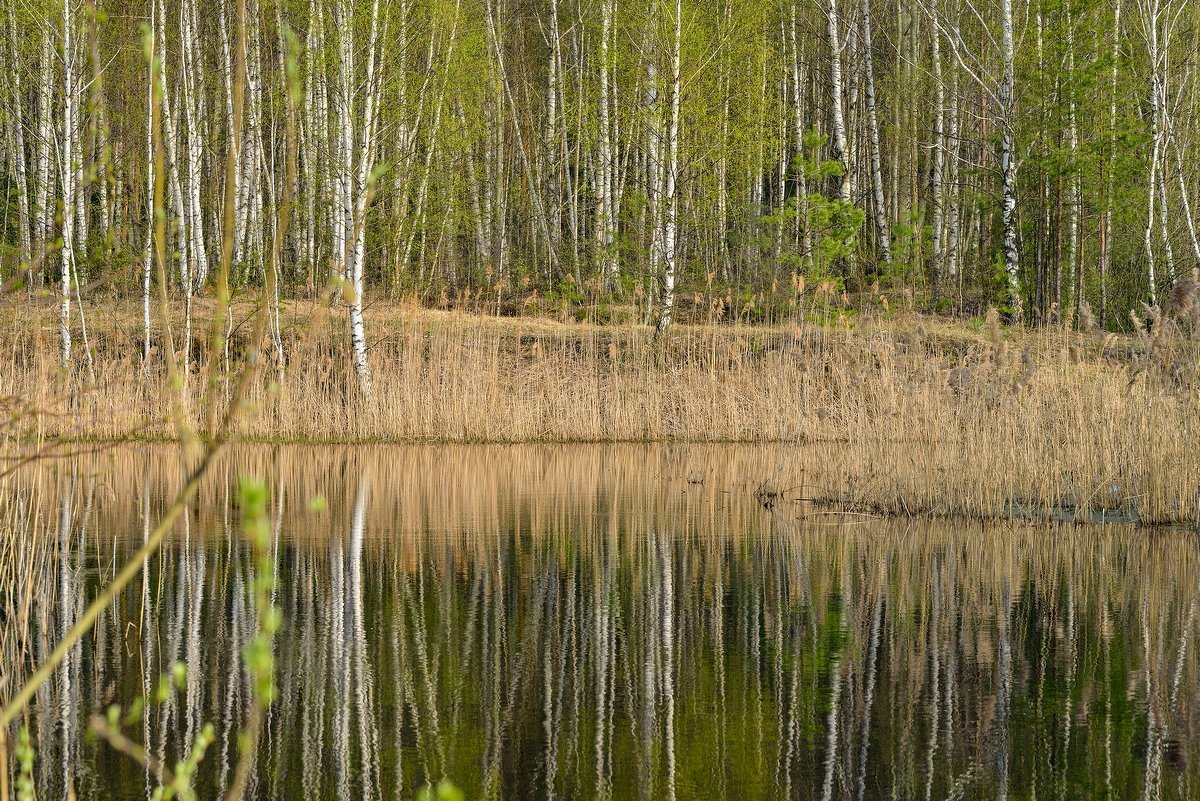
(666, 159)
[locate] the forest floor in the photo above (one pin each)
(919, 414)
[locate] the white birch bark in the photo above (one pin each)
(1152, 15)
(190, 80)
(938, 146)
(44, 142)
(605, 220)
(1148, 231)
(1163, 210)
(353, 178)
(1008, 165)
(840, 147)
(148, 251)
(176, 207)
(1076, 198)
(20, 167)
(653, 155)
(554, 157)
(342, 208)
(722, 222)
(881, 216)
(68, 178)
(670, 201)
(1109, 195)
(252, 151)
(1184, 192)
(798, 80)
(954, 194)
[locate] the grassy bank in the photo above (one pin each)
(918, 415)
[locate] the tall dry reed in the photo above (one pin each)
(916, 416)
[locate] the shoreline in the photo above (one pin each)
(916, 413)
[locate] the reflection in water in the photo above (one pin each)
(618, 622)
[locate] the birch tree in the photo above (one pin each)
(594, 156)
(68, 173)
(669, 200)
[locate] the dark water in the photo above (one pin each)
(614, 622)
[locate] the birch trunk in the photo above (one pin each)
(1151, 12)
(148, 252)
(553, 166)
(1076, 178)
(68, 179)
(43, 142)
(799, 78)
(1109, 196)
(354, 178)
(20, 168)
(953, 224)
(1008, 166)
(1148, 231)
(670, 202)
(1184, 193)
(840, 147)
(605, 220)
(653, 154)
(939, 149)
(197, 270)
(176, 206)
(882, 231)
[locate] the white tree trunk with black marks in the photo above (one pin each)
(1008, 164)
(840, 142)
(69, 157)
(670, 181)
(882, 230)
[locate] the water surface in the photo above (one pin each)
(609, 622)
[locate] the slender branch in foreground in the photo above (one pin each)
(211, 449)
(132, 567)
(117, 739)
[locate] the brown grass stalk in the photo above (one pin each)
(921, 417)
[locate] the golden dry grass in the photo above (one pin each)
(916, 416)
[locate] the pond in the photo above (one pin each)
(610, 622)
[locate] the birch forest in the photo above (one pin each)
(656, 155)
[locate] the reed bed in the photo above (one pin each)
(910, 416)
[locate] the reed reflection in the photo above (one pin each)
(619, 623)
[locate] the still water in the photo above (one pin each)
(607, 622)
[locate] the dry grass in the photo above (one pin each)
(916, 416)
